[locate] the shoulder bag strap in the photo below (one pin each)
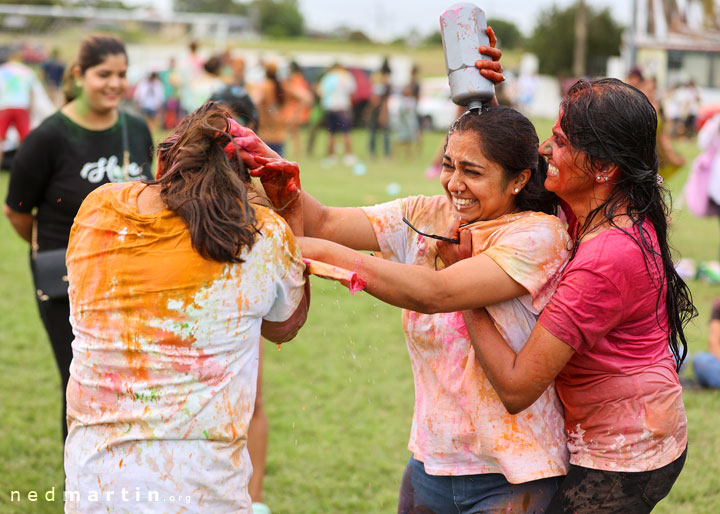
(126, 151)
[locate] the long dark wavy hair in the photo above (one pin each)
(509, 139)
(613, 123)
(208, 191)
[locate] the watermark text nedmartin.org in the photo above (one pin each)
(106, 495)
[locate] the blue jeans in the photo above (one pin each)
(421, 493)
(707, 369)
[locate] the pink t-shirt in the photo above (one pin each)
(622, 398)
(460, 426)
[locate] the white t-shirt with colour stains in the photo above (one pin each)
(165, 357)
(460, 426)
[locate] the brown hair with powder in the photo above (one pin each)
(208, 191)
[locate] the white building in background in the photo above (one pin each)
(675, 41)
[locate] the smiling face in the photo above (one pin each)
(104, 84)
(568, 175)
(475, 185)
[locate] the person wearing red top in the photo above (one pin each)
(612, 333)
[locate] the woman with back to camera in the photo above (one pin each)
(608, 336)
(87, 143)
(172, 282)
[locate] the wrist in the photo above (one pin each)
(292, 208)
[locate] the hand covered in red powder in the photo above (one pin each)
(280, 179)
(491, 70)
(248, 145)
(451, 253)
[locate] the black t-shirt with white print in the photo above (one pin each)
(60, 163)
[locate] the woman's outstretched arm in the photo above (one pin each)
(348, 226)
(471, 283)
(518, 378)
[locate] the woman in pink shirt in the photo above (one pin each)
(611, 337)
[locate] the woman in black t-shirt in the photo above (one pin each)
(87, 143)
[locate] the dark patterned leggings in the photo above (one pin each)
(592, 491)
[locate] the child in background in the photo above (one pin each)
(407, 122)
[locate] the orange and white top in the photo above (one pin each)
(460, 426)
(165, 357)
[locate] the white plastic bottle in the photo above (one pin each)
(464, 29)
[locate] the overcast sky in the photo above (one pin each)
(388, 19)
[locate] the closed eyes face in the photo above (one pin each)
(474, 185)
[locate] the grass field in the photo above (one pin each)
(339, 397)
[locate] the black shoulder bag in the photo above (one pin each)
(51, 280)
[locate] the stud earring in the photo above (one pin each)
(516, 190)
(607, 178)
(599, 178)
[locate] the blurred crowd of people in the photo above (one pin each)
(280, 100)
(287, 100)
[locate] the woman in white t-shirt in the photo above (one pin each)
(172, 282)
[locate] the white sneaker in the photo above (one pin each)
(260, 508)
(349, 159)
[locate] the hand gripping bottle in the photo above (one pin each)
(464, 29)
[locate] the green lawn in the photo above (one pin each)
(339, 397)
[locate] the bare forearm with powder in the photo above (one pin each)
(469, 284)
(348, 226)
(518, 378)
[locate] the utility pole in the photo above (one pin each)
(580, 39)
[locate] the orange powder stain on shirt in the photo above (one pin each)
(166, 347)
